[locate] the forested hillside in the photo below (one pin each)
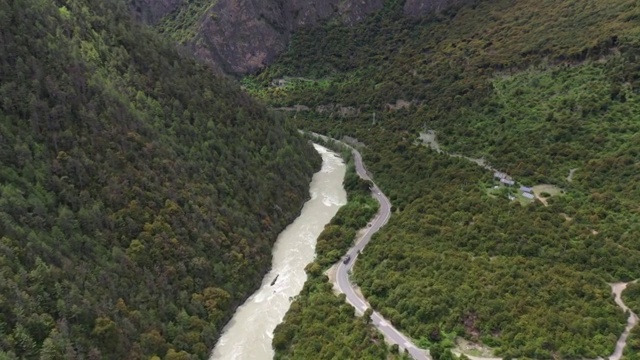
(547, 92)
(243, 36)
(139, 194)
(320, 325)
(631, 298)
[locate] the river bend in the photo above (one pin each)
(249, 333)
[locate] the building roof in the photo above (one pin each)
(501, 175)
(527, 195)
(506, 181)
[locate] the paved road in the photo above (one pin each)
(342, 274)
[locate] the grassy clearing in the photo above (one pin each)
(546, 191)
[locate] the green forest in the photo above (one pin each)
(140, 195)
(631, 298)
(181, 24)
(535, 88)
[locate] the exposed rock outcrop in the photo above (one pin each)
(416, 8)
(243, 36)
(151, 11)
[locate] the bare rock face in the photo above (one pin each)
(151, 11)
(356, 10)
(309, 12)
(417, 8)
(243, 36)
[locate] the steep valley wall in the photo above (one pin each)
(243, 36)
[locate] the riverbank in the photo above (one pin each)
(319, 323)
(249, 334)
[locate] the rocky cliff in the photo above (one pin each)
(416, 8)
(243, 36)
(151, 11)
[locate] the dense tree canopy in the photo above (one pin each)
(631, 298)
(139, 194)
(530, 88)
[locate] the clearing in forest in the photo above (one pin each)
(545, 191)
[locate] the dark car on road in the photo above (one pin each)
(346, 259)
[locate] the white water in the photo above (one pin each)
(249, 333)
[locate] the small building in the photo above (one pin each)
(526, 189)
(500, 175)
(528, 195)
(507, 181)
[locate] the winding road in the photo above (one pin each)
(342, 274)
(392, 335)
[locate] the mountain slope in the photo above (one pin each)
(139, 194)
(536, 89)
(244, 36)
